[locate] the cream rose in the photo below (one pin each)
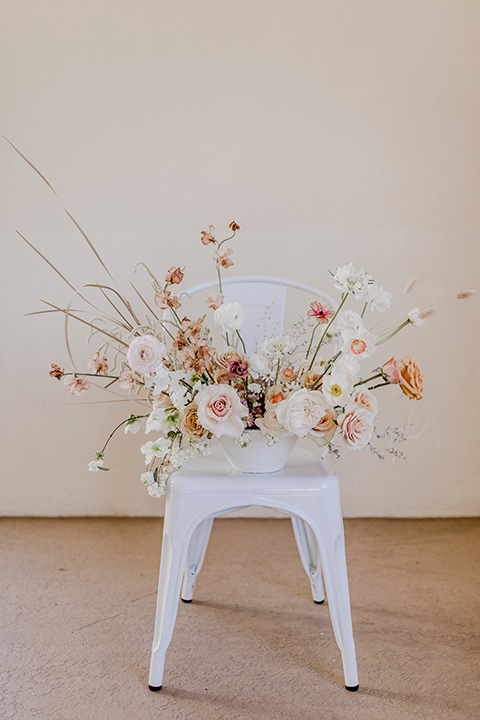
(324, 431)
(365, 398)
(301, 411)
(220, 410)
(356, 425)
(190, 425)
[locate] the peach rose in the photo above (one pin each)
(220, 410)
(412, 379)
(190, 425)
(324, 431)
(357, 426)
(365, 398)
(270, 425)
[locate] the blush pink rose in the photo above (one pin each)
(365, 398)
(220, 410)
(357, 426)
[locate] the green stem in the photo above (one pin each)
(374, 377)
(320, 378)
(364, 308)
(219, 280)
(400, 327)
(278, 370)
(118, 428)
(327, 329)
(243, 344)
(97, 375)
(311, 340)
(379, 385)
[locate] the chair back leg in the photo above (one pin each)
(310, 557)
(195, 557)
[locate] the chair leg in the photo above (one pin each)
(195, 557)
(328, 531)
(310, 557)
(174, 551)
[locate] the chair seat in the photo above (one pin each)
(304, 473)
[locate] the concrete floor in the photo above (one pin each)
(77, 609)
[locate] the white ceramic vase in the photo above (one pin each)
(257, 457)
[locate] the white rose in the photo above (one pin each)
(229, 317)
(301, 411)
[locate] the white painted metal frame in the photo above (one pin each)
(305, 490)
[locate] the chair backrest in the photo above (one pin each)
(263, 299)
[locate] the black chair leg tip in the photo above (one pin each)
(154, 688)
(319, 602)
(186, 601)
(352, 688)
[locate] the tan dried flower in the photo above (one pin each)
(56, 371)
(222, 258)
(166, 299)
(97, 365)
(208, 236)
(214, 300)
(174, 276)
(234, 226)
(465, 294)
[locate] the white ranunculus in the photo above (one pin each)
(229, 317)
(278, 347)
(258, 364)
(301, 411)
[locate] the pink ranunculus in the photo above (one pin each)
(392, 371)
(145, 354)
(220, 410)
(356, 425)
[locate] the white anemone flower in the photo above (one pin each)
(155, 448)
(337, 387)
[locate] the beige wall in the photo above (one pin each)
(332, 131)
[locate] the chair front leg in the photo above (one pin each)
(195, 557)
(310, 557)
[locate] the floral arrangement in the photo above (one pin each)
(196, 389)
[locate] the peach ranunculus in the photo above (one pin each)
(208, 236)
(214, 300)
(301, 411)
(391, 371)
(220, 410)
(365, 398)
(356, 425)
(324, 431)
(174, 276)
(412, 379)
(222, 258)
(190, 425)
(76, 385)
(275, 394)
(98, 365)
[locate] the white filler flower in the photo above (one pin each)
(155, 448)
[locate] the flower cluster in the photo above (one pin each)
(196, 388)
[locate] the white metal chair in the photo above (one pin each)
(208, 487)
